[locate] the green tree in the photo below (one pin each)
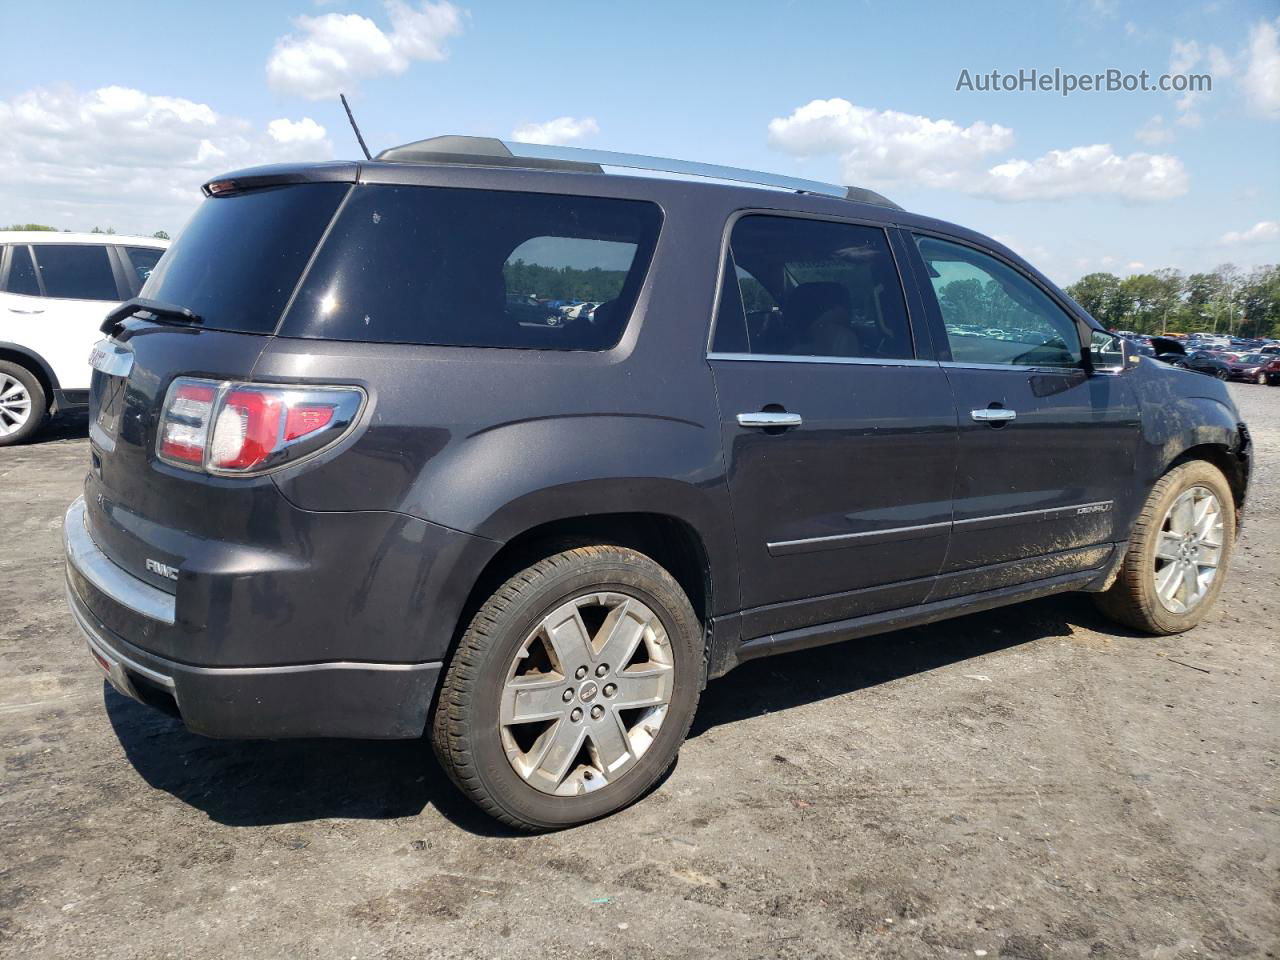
(160, 235)
(30, 226)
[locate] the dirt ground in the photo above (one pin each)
(1027, 783)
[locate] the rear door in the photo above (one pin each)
(79, 283)
(838, 425)
(1046, 446)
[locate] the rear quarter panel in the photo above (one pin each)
(493, 442)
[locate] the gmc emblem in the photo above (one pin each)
(162, 569)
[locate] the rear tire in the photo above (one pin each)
(1222, 374)
(1158, 548)
(544, 720)
(1261, 379)
(23, 405)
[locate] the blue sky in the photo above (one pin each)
(112, 114)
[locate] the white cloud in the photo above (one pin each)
(331, 52)
(305, 130)
(1153, 132)
(1094, 169)
(1184, 55)
(1262, 70)
(128, 159)
(561, 130)
(886, 147)
(1264, 231)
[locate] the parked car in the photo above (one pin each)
(336, 490)
(1201, 361)
(1260, 368)
(55, 288)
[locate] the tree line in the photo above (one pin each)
(1226, 300)
(562, 283)
(45, 228)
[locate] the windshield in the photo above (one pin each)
(238, 259)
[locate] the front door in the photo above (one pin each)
(840, 437)
(1046, 445)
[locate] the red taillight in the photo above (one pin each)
(304, 420)
(247, 430)
(244, 428)
(184, 430)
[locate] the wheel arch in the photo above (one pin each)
(39, 367)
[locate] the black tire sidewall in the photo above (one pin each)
(500, 781)
(1181, 479)
(39, 403)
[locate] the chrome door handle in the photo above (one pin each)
(16, 310)
(767, 419)
(993, 415)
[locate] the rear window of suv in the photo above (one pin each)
(240, 256)
(484, 268)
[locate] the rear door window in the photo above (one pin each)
(812, 288)
(457, 267)
(22, 272)
(143, 260)
(73, 271)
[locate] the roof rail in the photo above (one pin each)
(491, 151)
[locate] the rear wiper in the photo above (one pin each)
(161, 311)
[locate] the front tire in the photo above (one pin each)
(1222, 374)
(1261, 379)
(23, 405)
(1178, 553)
(571, 690)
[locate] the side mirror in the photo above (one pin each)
(1111, 354)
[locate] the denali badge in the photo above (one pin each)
(163, 569)
(1094, 508)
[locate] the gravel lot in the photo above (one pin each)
(1025, 783)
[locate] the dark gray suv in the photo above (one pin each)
(479, 440)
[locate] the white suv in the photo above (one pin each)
(55, 290)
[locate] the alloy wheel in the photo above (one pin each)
(586, 693)
(15, 405)
(1189, 549)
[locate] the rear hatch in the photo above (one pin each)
(231, 272)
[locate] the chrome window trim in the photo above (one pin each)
(1017, 367)
(796, 358)
(88, 560)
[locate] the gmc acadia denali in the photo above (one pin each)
(479, 440)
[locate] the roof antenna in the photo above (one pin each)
(347, 107)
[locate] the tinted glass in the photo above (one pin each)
(143, 260)
(993, 314)
(76, 271)
(433, 265)
(22, 273)
(239, 258)
(812, 288)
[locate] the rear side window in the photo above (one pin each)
(143, 260)
(240, 256)
(76, 271)
(22, 273)
(811, 288)
(455, 267)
